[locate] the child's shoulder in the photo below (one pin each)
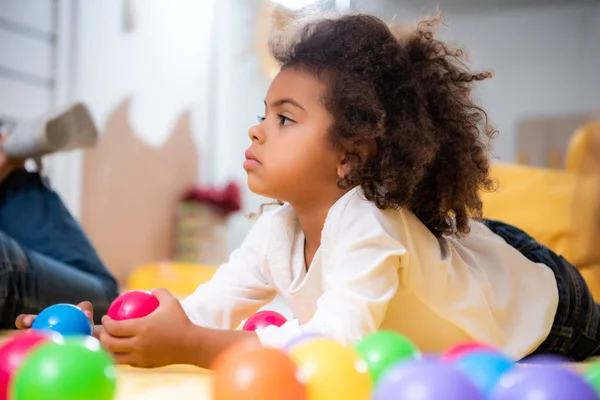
(353, 209)
(354, 201)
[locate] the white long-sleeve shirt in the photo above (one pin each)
(382, 270)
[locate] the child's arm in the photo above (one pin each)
(166, 337)
(361, 273)
(171, 334)
(238, 288)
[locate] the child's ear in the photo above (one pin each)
(343, 167)
(355, 158)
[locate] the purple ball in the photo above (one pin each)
(425, 380)
(545, 359)
(429, 357)
(542, 382)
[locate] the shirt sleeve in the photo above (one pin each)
(238, 288)
(360, 276)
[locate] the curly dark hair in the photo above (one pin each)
(402, 110)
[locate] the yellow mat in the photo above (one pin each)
(171, 383)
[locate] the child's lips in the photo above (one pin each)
(251, 160)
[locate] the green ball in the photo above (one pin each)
(592, 376)
(382, 349)
(77, 368)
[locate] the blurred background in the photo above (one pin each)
(174, 85)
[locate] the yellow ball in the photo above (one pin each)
(331, 371)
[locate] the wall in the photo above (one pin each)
(545, 60)
(131, 192)
(143, 69)
(546, 63)
(26, 67)
(36, 74)
(153, 51)
(238, 91)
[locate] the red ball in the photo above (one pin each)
(14, 352)
(133, 304)
(464, 348)
(263, 319)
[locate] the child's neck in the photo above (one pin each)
(312, 219)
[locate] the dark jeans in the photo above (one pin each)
(575, 332)
(45, 257)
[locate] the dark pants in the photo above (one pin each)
(575, 332)
(45, 257)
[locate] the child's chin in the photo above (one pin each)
(256, 186)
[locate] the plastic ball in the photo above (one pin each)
(256, 373)
(14, 352)
(463, 348)
(331, 371)
(299, 339)
(382, 349)
(65, 319)
(592, 376)
(542, 383)
(133, 304)
(418, 380)
(241, 346)
(483, 369)
(428, 357)
(545, 359)
(263, 319)
(76, 369)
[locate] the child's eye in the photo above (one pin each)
(260, 119)
(283, 120)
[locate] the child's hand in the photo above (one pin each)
(24, 321)
(152, 341)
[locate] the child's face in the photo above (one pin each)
(295, 161)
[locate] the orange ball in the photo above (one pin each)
(247, 373)
(236, 348)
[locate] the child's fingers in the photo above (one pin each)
(86, 306)
(24, 321)
(97, 331)
(124, 359)
(120, 329)
(117, 345)
(88, 310)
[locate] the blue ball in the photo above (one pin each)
(484, 369)
(66, 319)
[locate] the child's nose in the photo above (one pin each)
(255, 133)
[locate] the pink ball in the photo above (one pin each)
(14, 352)
(263, 319)
(133, 304)
(463, 348)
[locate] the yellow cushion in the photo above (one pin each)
(180, 278)
(557, 208)
(584, 149)
(592, 278)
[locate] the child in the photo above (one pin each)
(375, 147)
